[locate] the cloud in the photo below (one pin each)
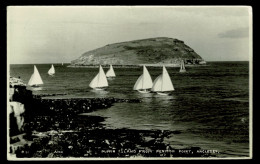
(215, 11)
(235, 33)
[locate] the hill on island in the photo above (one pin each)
(161, 50)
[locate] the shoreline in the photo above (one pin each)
(137, 66)
(55, 128)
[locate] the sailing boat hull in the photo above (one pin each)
(144, 91)
(163, 93)
(110, 78)
(99, 89)
(35, 86)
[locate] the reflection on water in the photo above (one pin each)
(35, 88)
(152, 113)
(111, 78)
(99, 92)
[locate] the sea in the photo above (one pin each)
(209, 106)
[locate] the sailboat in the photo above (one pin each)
(182, 69)
(144, 82)
(110, 72)
(163, 84)
(51, 70)
(35, 79)
(99, 81)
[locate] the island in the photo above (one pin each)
(151, 52)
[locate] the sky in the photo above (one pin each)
(55, 34)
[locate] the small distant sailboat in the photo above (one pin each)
(182, 69)
(202, 62)
(51, 70)
(144, 82)
(110, 73)
(163, 84)
(100, 80)
(35, 79)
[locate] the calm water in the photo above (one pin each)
(210, 104)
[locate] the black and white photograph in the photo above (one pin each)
(129, 82)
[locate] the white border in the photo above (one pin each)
(149, 158)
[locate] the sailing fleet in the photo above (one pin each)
(162, 85)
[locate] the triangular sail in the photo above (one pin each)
(35, 78)
(166, 81)
(94, 82)
(183, 65)
(144, 81)
(157, 85)
(51, 70)
(147, 80)
(111, 72)
(138, 83)
(100, 80)
(163, 82)
(182, 69)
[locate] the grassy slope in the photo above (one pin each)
(148, 51)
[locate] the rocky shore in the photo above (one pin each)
(53, 128)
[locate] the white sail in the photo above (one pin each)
(111, 72)
(144, 81)
(157, 85)
(166, 81)
(35, 78)
(163, 82)
(138, 83)
(100, 80)
(182, 69)
(51, 70)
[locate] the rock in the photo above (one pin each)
(16, 110)
(16, 82)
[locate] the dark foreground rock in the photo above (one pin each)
(51, 111)
(100, 142)
(53, 128)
